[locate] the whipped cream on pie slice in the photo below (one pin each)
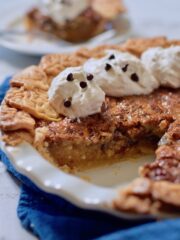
(121, 74)
(75, 94)
(63, 10)
(164, 65)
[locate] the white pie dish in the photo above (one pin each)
(91, 196)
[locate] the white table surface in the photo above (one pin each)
(149, 18)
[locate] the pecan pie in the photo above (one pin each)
(26, 114)
(95, 19)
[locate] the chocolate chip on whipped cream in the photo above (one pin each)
(108, 67)
(83, 84)
(90, 77)
(67, 103)
(124, 69)
(70, 77)
(129, 75)
(111, 57)
(77, 98)
(134, 77)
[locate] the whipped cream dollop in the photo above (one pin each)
(62, 10)
(75, 94)
(80, 91)
(121, 74)
(164, 65)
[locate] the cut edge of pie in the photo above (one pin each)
(27, 115)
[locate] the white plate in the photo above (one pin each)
(40, 46)
(105, 182)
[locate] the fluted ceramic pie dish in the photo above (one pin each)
(75, 188)
(67, 150)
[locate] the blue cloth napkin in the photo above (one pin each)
(52, 218)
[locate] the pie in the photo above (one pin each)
(94, 20)
(125, 122)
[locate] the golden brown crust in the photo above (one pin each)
(31, 77)
(148, 197)
(33, 101)
(139, 45)
(11, 119)
(15, 138)
(55, 63)
(167, 163)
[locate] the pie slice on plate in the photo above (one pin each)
(72, 20)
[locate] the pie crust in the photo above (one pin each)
(27, 115)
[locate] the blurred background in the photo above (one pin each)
(148, 18)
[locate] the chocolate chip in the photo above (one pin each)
(124, 69)
(111, 57)
(134, 77)
(108, 67)
(70, 77)
(83, 84)
(66, 2)
(67, 20)
(90, 77)
(67, 103)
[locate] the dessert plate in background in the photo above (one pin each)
(13, 35)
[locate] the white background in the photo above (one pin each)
(149, 18)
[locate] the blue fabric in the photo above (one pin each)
(52, 218)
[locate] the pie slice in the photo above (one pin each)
(104, 137)
(92, 21)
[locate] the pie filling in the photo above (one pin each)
(83, 156)
(123, 125)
